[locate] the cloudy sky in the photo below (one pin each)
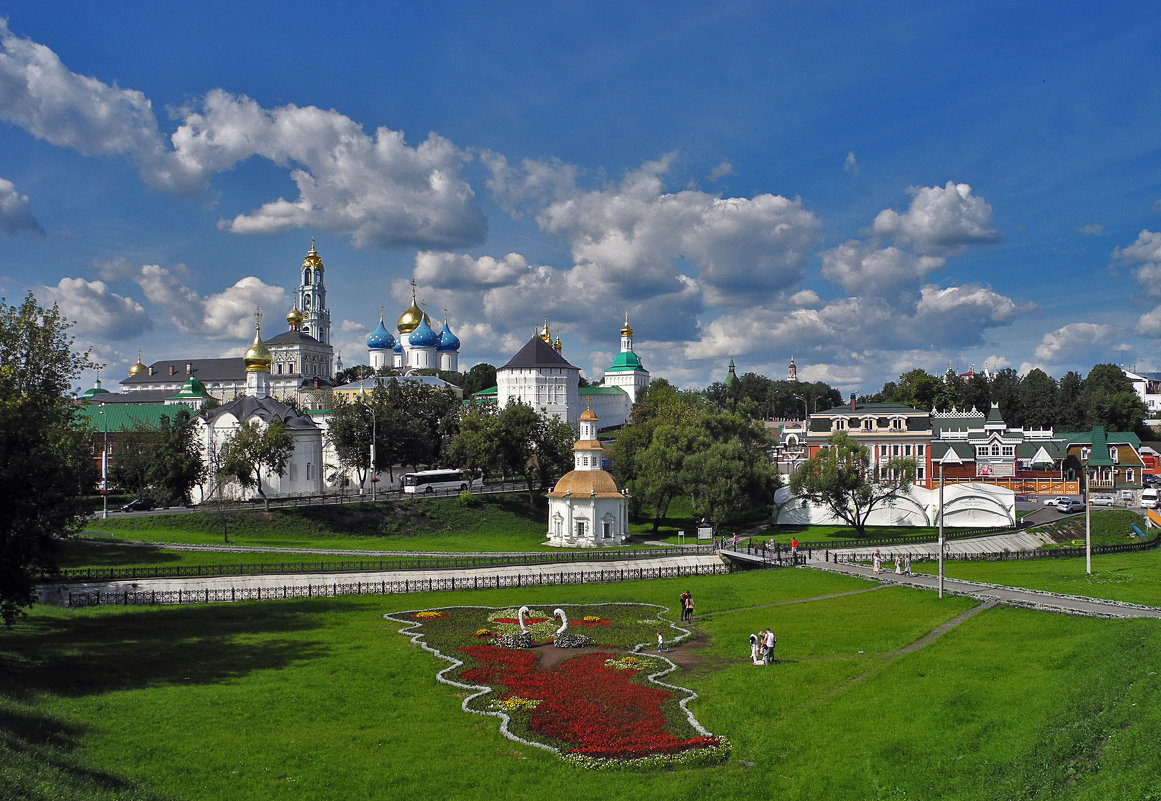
(867, 187)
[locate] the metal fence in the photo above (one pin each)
(1002, 556)
(430, 584)
(423, 561)
(908, 539)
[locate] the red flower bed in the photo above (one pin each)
(595, 709)
(528, 621)
(601, 622)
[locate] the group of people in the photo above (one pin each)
(902, 564)
(762, 647)
(687, 607)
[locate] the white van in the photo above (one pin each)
(1150, 498)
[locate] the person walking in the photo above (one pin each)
(877, 562)
(794, 551)
(661, 643)
(907, 565)
(684, 604)
(689, 607)
(898, 565)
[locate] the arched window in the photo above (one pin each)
(306, 276)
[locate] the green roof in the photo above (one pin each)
(625, 361)
(601, 391)
(125, 416)
(192, 388)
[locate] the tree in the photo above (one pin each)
(165, 461)
(481, 376)
(529, 447)
(1069, 411)
(352, 374)
(730, 478)
(253, 449)
(918, 389)
(46, 462)
(475, 446)
(1006, 395)
(1037, 400)
(840, 478)
(1108, 400)
(350, 434)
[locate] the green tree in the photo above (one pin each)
(1070, 414)
(254, 449)
(46, 464)
(978, 394)
(730, 478)
(532, 445)
(841, 478)
(476, 444)
(481, 376)
(350, 433)
(177, 464)
(1038, 398)
(1108, 400)
(1006, 394)
(918, 389)
(352, 374)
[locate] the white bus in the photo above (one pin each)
(426, 481)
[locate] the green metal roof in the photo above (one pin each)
(601, 391)
(125, 416)
(625, 361)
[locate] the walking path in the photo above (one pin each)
(1013, 596)
(302, 584)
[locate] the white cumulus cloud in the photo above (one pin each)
(1145, 252)
(97, 310)
(940, 221)
(228, 314)
(1076, 342)
(16, 212)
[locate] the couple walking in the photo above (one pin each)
(687, 607)
(762, 647)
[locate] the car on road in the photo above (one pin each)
(1102, 500)
(1057, 500)
(1070, 505)
(138, 505)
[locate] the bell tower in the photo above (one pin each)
(312, 297)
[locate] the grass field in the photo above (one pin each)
(323, 699)
(504, 523)
(1132, 577)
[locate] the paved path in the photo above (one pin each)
(1014, 596)
(324, 583)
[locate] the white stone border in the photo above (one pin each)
(417, 637)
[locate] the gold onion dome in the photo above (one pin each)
(627, 330)
(257, 357)
(312, 258)
(545, 334)
(139, 367)
(295, 317)
(412, 316)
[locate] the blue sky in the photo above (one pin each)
(867, 187)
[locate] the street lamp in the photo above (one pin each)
(104, 464)
(374, 473)
(1087, 521)
(941, 527)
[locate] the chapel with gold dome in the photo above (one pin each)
(586, 508)
(418, 346)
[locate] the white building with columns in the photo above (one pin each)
(586, 509)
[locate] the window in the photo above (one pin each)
(907, 450)
(995, 449)
(606, 529)
(580, 529)
(1129, 475)
(1113, 452)
(868, 424)
(1009, 450)
(840, 424)
(308, 471)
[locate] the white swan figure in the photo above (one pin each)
(520, 617)
(563, 620)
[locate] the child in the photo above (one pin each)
(661, 643)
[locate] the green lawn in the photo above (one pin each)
(497, 523)
(1132, 577)
(323, 699)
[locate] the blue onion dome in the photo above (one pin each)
(423, 336)
(380, 338)
(398, 345)
(448, 340)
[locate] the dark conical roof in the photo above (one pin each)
(536, 354)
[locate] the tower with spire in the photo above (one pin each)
(312, 297)
(586, 509)
(626, 371)
(257, 360)
(792, 371)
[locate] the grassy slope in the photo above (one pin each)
(322, 699)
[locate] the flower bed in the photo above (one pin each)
(598, 709)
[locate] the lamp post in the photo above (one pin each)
(104, 464)
(374, 473)
(941, 528)
(1087, 524)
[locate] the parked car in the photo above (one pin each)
(1102, 500)
(1150, 498)
(1057, 500)
(138, 505)
(1149, 480)
(1070, 505)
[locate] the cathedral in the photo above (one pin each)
(417, 345)
(302, 357)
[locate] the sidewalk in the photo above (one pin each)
(413, 580)
(1014, 596)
